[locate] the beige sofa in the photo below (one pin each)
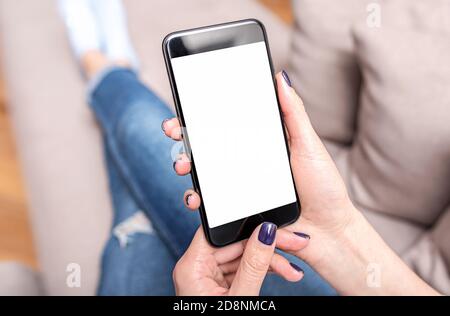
(357, 104)
(379, 98)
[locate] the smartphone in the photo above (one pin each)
(225, 96)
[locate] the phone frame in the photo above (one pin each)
(240, 229)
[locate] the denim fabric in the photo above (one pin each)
(142, 179)
(136, 268)
(130, 116)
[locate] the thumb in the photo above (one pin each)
(255, 261)
(316, 176)
(302, 137)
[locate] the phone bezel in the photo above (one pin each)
(241, 229)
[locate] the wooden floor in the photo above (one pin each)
(15, 235)
(282, 8)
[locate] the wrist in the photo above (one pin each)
(356, 261)
(345, 255)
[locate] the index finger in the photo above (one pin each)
(172, 128)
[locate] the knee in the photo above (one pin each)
(140, 119)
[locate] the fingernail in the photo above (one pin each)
(286, 78)
(179, 157)
(296, 267)
(267, 233)
(188, 197)
(302, 235)
(162, 125)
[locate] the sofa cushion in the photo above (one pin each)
(388, 137)
(400, 162)
(19, 280)
(419, 15)
(426, 259)
(429, 256)
(323, 67)
(441, 236)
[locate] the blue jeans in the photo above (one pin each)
(151, 228)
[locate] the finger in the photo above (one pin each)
(286, 240)
(291, 241)
(230, 267)
(230, 252)
(182, 165)
(192, 200)
(199, 244)
(310, 161)
(172, 128)
(287, 136)
(255, 261)
(198, 248)
(287, 270)
(229, 278)
(279, 265)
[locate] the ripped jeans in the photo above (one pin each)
(151, 227)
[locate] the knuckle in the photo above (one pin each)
(255, 264)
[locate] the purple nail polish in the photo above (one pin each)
(286, 78)
(267, 233)
(296, 267)
(302, 235)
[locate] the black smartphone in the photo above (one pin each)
(225, 96)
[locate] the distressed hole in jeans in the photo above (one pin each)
(138, 223)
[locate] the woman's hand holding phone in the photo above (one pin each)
(326, 208)
(343, 244)
(237, 269)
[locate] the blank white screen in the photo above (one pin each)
(233, 122)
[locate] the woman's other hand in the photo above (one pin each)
(238, 269)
